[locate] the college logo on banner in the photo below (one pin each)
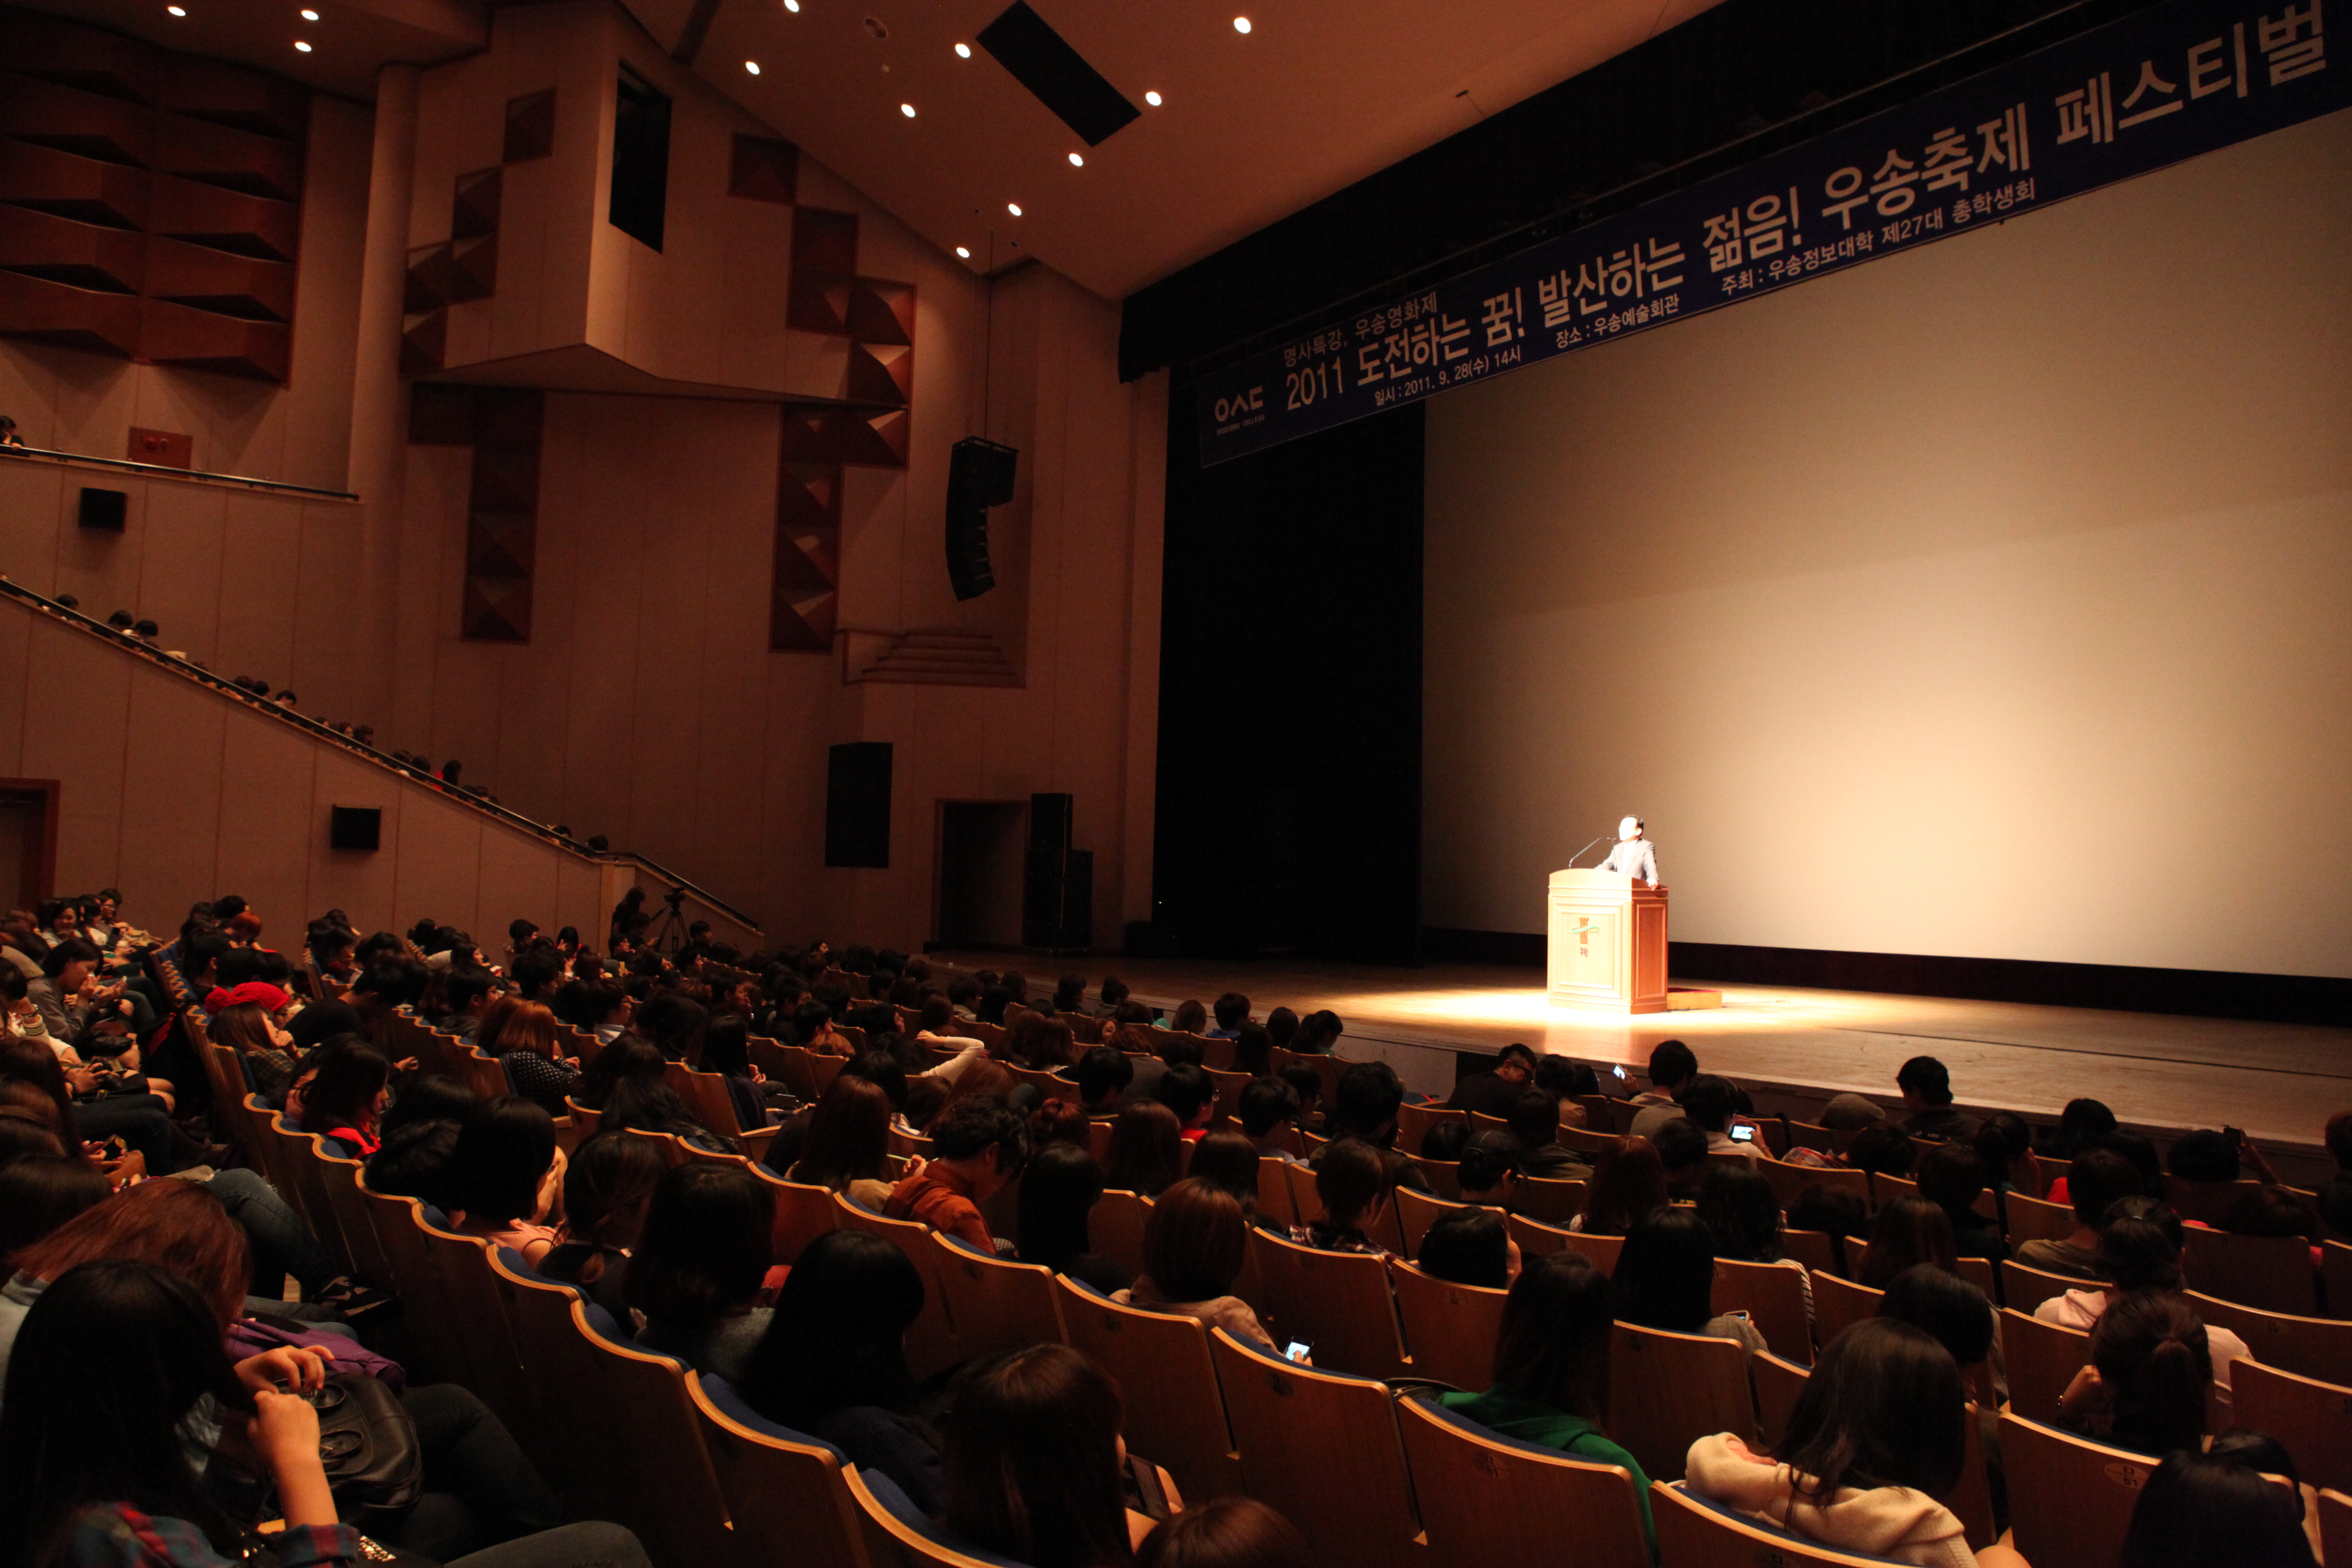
(2154, 88)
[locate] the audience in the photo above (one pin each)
(1907, 1232)
(1351, 1181)
(847, 1143)
(1034, 1464)
(1629, 1181)
(2200, 1509)
(1488, 1171)
(1952, 1177)
(2138, 1249)
(1742, 1216)
(506, 1178)
(2099, 1179)
(1147, 1149)
(1471, 1247)
(2149, 1381)
(1494, 1091)
(699, 1267)
(608, 1186)
(978, 1147)
(1226, 1532)
(1059, 1190)
(1927, 1089)
(1664, 1278)
(1194, 1242)
(1672, 1065)
(1535, 1117)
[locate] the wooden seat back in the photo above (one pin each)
(1486, 1499)
(804, 1212)
(549, 1324)
(1322, 1449)
(353, 1221)
(2270, 1272)
(649, 1415)
(1274, 1190)
(1838, 1303)
(2315, 1347)
(1549, 1201)
(776, 1489)
(2314, 1419)
(1789, 1182)
(1413, 1122)
(2026, 1288)
(1174, 1412)
(1777, 1383)
(1416, 1212)
(1116, 1228)
(1450, 1329)
(1337, 1301)
(2031, 1219)
(2042, 1359)
(995, 1303)
(1695, 1534)
(707, 1096)
(1666, 1390)
(1773, 1297)
(2069, 1499)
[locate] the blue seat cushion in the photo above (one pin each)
(731, 1403)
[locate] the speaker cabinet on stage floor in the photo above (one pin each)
(1057, 895)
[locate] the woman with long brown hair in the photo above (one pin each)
(522, 1038)
(1147, 1150)
(847, 1146)
(1628, 1183)
(1035, 1464)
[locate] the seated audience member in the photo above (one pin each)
(1534, 1123)
(727, 1051)
(1059, 1189)
(1877, 1445)
(978, 1147)
(1059, 1122)
(1102, 1076)
(1191, 1018)
(1566, 1081)
(1226, 1532)
(2139, 1249)
(1365, 1110)
(2084, 1124)
(1835, 1212)
(413, 1162)
(1270, 1113)
(1672, 1065)
(1445, 1142)
(40, 1191)
(1682, 1155)
(1713, 1104)
(2270, 1210)
(2150, 1381)
(1903, 1233)
(345, 1095)
(699, 1265)
(2336, 1193)
(1070, 996)
(1351, 1181)
(1664, 1279)
(83, 1493)
(848, 1145)
(1318, 1034)
(832, 1362)
(1253, 1050)
(1231, 1010)
(1034, 1467)
(1742, 1215)
(1627, 1184)
(1882, 1149)
(1185, 1089)
(2199, 1509)
(1489, 1169)
(525, 1047)
(1194, 1242)
(1927, 1089)
(506, 1176)
(244, 1019)
(608, 1186)
(1307, 1085)
(1227, 1159)
(1471, 1247)
(1038, 1041)
(467, 995)
(1147, 1149)
(1281, 1027)
(2099, 1179)
(1952, 1177)
(1948, 1307)
(1493, 1092)
(2004, 1146)
(1552, 1367)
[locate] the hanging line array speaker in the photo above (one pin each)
(980, 476)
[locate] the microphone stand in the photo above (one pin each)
(1571, 860)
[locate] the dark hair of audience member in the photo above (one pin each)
(1682, 1150)
(1627, 1184)
(1885, 1408)
(1252, 1049)
(1834, 1213)
(1664, 1276)
(1904, 1232)
(2268, 1211)
(880, 1068)
(2082, 1124)
(1351, 1179)
(1147, 1150)
(1535, 1119)
(1489, 1159)
(1882, 1149)
(1944, 1305)
(1193, 1242)
(2199, 1509)
(838, 1336)
(1444, 1141)
(2139, 1245)
(1558, 1327)
(503, 1154)
(34, 1065)
(1282, 1027)
(2098, 1180)
(651, 1105)
(432, 1098)
(2202, 1155)
(1032, 1461)
(1708, 1101)
(971, 1127)
(707, 1246)
(1228, 1160)
(413, 1162)
(1189, 1018)
(2152, 1355)
(321, 1021)
(175, 1226)
(1367, 1101)
(1226, 1532)
(40, 1191)
(351, 1075)
(2139, 1151)
(1742, 1213)
(106, 1367)
(608, 1188)
(2002, 1140)
(921, 1102)
(1059, 1122)
(1468, 1247)
(1059, 1189)
(848, 1137)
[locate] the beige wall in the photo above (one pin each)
(1994, 600)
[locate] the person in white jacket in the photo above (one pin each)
(1634, 856)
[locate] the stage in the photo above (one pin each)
(2159, 1072)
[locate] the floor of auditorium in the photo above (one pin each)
(2279, 1081)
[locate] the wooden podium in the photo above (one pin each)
(1608, 944)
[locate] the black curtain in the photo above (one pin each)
(1289, 797)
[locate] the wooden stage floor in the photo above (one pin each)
(2157, 1071)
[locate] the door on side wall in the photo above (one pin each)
(979, 861)
(28, 840)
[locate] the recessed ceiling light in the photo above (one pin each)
(309, 16)
(1077, 162)
(963, 51)
(964, 251)
(177, 10)
(793, 6)
(1153, 98)
(907, 110)
(301, 46)
(1241, 23)
(1012, 207)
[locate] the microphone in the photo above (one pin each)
(1596, 839)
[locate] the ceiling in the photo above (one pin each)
(1252, 128)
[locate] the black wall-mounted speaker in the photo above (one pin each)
(980, 476)
(355, 827)
(858, 805)
(108, 510)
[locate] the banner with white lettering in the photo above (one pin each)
(2154, 88)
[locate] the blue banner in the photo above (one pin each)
(2163, 85)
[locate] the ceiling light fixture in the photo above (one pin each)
(1012, 207)
(964, 251)
(907, 110)
(963, 51)
(751, 66)
(301, 46)
(309, 16)
(177, 10)
(793, 6)
(1241, 23)
(1153, 98)
(1077, 162)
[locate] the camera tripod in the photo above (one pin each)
(668, 933)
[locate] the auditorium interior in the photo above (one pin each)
(1448, 865)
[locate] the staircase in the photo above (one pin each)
(940, 656)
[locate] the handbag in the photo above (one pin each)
(368, 1443)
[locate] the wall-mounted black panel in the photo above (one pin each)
(857, 806)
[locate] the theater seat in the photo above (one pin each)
(2314, 1419)
(779, 1485)
(996, 1304)
(900, 1535)
(1487, 1500)
(1694, 1533)
(2069, 1499)
(1667, 1391)
(1450, 1329)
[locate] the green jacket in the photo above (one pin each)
(1532, 1421)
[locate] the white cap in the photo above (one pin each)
(1628, 827)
